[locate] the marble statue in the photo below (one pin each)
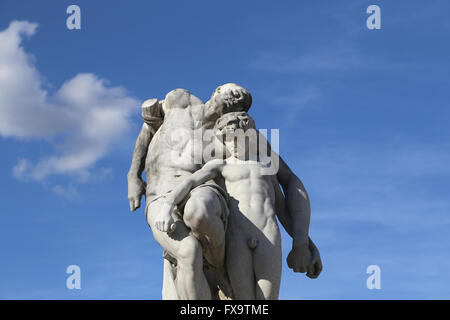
(212, 204)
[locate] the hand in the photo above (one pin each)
(136, 189)
(305, 258)
(164, 221)
(315, 268)
(299, 257)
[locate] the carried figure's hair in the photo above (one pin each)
(235, 97)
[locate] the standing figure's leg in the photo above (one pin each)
(190, 280)
(240, 265)
(267, 261)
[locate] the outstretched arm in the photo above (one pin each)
(210, 170)
(136, 186)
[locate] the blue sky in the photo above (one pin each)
(363, 119)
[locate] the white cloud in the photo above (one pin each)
(90, 115)
(67, 192)
(24, 107)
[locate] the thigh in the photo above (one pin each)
(267, 260)
(240, 269)
(203, 204)
(208, 197)
(170, 242)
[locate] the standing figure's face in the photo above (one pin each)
(229, 127)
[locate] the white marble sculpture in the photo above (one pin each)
(211, 202)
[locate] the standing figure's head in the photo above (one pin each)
(229, 97)
(237, 132)
(232, 121)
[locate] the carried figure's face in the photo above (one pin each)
(227, 98)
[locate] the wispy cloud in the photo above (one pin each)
(66, 192)
(338, 59)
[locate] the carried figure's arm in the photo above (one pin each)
(209, 171)
(152, 115)
(136, 186)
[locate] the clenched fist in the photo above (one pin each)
(305, 258)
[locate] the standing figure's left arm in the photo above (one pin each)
(294, 214)
(297, 206)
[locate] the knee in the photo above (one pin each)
(190, 252)
(196, 213)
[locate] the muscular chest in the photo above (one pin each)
(236, 173)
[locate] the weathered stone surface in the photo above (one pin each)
(216, 216)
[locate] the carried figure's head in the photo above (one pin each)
(229, 97)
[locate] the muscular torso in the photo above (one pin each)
(172, 150)
(170, 153)
(252, 196)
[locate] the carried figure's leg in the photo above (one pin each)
(202, 214)
(190, 280)
(169, 291)
(205, 213)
